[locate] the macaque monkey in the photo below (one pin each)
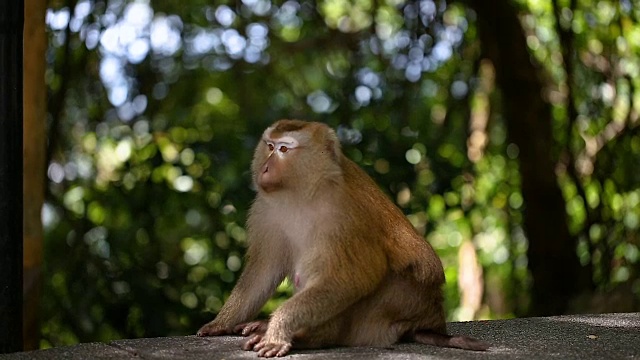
(362, 274)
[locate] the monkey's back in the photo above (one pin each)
(405, 248)
(409, 298)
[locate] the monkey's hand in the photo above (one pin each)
(250, 328)
(214, 328)
(266, 347)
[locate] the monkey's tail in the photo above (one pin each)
(452, 341)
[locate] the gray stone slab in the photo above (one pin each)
(185, 347)
(75, 352)
(609, 336)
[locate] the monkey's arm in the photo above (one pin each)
(257, 283)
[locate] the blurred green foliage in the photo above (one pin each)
(155, 109)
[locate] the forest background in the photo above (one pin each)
(507, 132)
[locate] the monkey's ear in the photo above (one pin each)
(332, 146)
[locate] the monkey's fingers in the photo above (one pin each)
(251, 342)
(254, 327)
(272, 349)
(212, 329)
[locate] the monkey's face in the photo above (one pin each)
(273, 158)
(293, 155)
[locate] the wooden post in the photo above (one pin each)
(34, 137)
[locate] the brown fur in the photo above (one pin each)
(363, 276)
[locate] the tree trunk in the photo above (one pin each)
(553, 262)
(35, 112)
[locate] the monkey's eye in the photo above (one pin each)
(270, 146)
(283, 149)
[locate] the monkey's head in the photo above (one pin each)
(294, 155)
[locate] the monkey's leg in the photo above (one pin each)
(324, 335)
(307, 310)
(380, 318)
(431, 328)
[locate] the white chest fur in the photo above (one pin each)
(303, 228)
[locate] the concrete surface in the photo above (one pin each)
(608, 336)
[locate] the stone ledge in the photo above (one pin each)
(607, 336)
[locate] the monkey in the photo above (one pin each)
(361, 273)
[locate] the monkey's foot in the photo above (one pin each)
(253, 327)
(267, 348)
(212, 329)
